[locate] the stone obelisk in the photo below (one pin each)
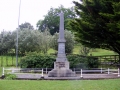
(61, 66)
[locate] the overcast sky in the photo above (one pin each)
(31, 11)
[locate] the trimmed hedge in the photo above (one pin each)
(47, 61)
(37, 61)
(79, 61)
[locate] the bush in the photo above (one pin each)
(75, 60)
(37, 61)
(10, 76)
(79, 61)
(92, 62)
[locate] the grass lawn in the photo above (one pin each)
(8, 61)
(96, 52)
(0, 71)
(112, 84)
(100, 52)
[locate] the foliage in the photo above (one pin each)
(69, 44)
(97, 24)
(76, 60)
(6, 42)
(51, 19)
(83, 61)
(26, 25)
(10, 76)
(92, 62)
(35, 60)
(84, 50)
(28, 41)
(1, 71)
(44, 41)
(33, 40)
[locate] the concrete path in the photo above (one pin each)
(28, 76)
(78, 77)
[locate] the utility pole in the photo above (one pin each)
(17, 35)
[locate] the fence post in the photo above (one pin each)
(46, 70)
(118, 72)
(81, 74)
(6, 60)
(108, 71)
(101, 70)
(42, 72)
(3, 73)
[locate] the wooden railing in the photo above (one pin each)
(109, 59)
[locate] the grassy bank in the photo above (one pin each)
(94, 52)
(112, 84)
(0, 71)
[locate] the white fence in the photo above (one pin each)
(108, 71)
(46, 70)
(21, 70)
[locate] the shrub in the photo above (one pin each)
(79, 61)
(10, 76)
(92, 62)
(37, 61)
(75, 60)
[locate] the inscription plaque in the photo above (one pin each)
(61, 48)
(60, 64)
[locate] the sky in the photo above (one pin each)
(30, 11)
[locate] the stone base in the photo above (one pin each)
(62, 78)
(61, 69)
(62, 72)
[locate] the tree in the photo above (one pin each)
(97, 24)
(51, 19)
(6, 42)
(69, 45)
(26, 25)
(84, 50)
(44, 41)
(33, 40)
(27, 41)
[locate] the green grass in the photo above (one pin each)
(112, 84)
(76, 49)
(8, 61)
(100, 52)
(96, 52)
(0, 71)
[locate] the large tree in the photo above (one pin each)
(51, 19)
(33, 40)
(26, 25)
(6, 42)
(97, 24)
